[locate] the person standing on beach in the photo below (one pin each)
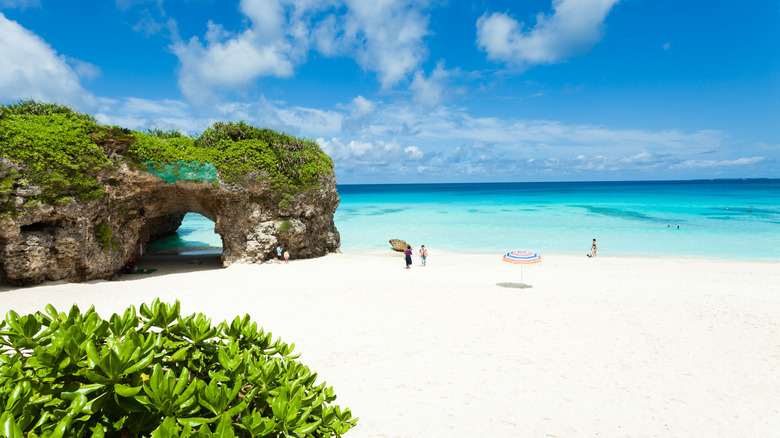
(593, 249)
(286, 256)
(278, 254)
(408, 254)
(423, 254)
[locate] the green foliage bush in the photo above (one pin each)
(36, 108)
(162, 133)
(237, 150)
(64, 153)
(54, 145)
(157, 374)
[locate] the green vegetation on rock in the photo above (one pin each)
(285, 226)
(68, 155)
(157, 374)
(238, 151)
(105, 236)
(56, 147)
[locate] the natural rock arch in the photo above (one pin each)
(78, 199)
(80, 241)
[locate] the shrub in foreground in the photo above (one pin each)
(156, 374)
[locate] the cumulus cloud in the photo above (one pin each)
(389, 36)
(573, 28)
(31, 69)
(413, 152)
(384, 37)
(361, 110)
(227, 62)
(276, 42)
(429, 92)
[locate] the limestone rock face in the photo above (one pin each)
(79, 241)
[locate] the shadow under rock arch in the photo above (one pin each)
(178, 243)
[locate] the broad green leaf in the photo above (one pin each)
(98, 431)
(224, 428)
(84, 389)
(181, 354)
(308, 428)
(143, 363)
(126, 390)
(92, 354)
(8, 426)
(97, 378)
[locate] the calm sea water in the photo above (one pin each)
(733, 219)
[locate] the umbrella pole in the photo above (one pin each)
(521, 273)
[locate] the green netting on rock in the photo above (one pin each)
(182, 170)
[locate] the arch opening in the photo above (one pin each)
(195, 236)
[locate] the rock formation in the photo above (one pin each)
(86, 240)
(78, 240)
(398, 245)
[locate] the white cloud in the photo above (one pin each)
(21, 4)
(389, 35)
(451, 145)
(362, 107)
(667, 45)
(574, 27)
(275, 43)
(413, 152)
(31, 69)
(149, 26)
(84, 69)
(224, 62)
(361, 111)
(127, 4)
(429, 92)
(384, 37)
(700, 164)
(359, 148)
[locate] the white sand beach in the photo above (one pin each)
(610, 347)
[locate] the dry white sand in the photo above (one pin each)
(598, 347)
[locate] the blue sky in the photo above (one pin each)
(428, 90)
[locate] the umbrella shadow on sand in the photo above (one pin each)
(520, 258)
(515, 285)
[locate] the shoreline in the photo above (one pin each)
(612, 346)
(603, 252)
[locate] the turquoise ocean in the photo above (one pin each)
(726, 219)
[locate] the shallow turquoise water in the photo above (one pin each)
(723, 219)
(733, 219)
(195, 235)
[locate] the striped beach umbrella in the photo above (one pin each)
(522, 258)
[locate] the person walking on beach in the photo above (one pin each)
(286, 256)
(423, 254)
(408, 254)
(593, 249)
